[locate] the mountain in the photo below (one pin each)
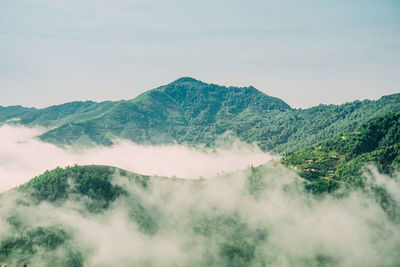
(188, 111)
(340, 160)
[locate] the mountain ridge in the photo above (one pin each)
(189, 111)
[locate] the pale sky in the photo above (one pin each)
(304, 52)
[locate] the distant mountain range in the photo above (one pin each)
(188, 111)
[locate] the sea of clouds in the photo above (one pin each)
(240, 217)
(23, 156)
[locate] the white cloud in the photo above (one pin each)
(22, 156)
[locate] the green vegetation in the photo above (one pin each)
(89, 185)
(20, 248)
(340, 160)
(238, 248)
(13, 112)
(191, 112)
(58, 115)
(92, 182)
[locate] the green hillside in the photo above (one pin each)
(340, 160)
(191, 112)
(13, 112)
(66, 113)
(90, 181)
(187, 110)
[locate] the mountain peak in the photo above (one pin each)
(186, 80)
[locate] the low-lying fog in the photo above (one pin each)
(22, 157)
(253, 217)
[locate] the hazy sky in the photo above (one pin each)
(305, 52)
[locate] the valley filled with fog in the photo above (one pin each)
(249, 210)
(23, 156)
(199, 133)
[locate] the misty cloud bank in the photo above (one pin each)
(22, 156)
(251, 217)
(256, 217)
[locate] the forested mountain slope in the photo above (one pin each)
(340, 160)
(13, 112)
(187, 111)
(191, 112)
(66, 113)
